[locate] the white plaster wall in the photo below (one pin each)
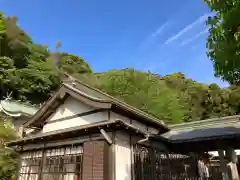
(72, 107)
(215, 153)
(122, 156)
(115, 116)
(136, 123)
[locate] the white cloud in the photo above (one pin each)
(151, 38)
(200, 20)
(187, 41)
(160, 29)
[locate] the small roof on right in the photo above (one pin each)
(204, 130)
(201, 136)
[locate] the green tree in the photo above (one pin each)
(2, 33)
(73, 64)
(7, 74)
(7, 155)
(224, 39)
(17, 42)
(38, 80)
(30, 72)
(144, 91)
(2, 26)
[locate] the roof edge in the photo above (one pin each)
(74, 129)
(206, 122)
(111, 100)
(122, 104)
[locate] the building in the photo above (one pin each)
(83, 133)
(18, 112)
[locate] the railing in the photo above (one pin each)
(150, 164)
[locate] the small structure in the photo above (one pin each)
(19, 112)
(218, 136)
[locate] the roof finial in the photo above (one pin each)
(9, 96)
(70, 79)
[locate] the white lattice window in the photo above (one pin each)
(52, 164)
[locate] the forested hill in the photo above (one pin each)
(30, 72)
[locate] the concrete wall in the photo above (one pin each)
(72, 107)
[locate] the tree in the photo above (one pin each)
(31, 72)
(38, 80)
(7, 74)
(17, 43)
(2, 26)
(7, 155)
(224, 39)
(2, 33)
(144, 91)
(73, 64)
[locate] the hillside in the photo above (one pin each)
(173, 98)
(30, 72)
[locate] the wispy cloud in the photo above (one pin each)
(200, 20)
(160, 29)
(187, 41)
(151, 38)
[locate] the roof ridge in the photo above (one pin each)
(22, 103)
(113, 98)
(202, 122)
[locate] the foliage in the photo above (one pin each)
(39, 79)
(224, 39)
(2, 26)
(7, 155)
(149, 94)
(30, 72)
(173, 98)
(70, 63)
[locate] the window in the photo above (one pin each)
(54, 164)
(30, 168)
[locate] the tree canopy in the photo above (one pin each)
(31, 72)
(224, 39)
(7, 155)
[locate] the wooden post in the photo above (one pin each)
(20, 131)
(194, 156)
(223, 166)
(233, 160)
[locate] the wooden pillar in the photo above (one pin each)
(223, 165)
(232, 157)
(195, 165)
(20, 131)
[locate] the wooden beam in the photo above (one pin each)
(106, 136)
(223, 166)
(233, 160)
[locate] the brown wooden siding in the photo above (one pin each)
(95, 160)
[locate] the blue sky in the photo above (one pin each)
(163, 36)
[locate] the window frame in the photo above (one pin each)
(59, 159)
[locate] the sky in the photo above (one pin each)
(161, 36)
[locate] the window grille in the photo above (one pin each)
(52, 164)
(30, 165)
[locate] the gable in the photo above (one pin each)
(73, 113)
(97, 100)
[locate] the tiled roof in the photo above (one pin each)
(16, 108)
